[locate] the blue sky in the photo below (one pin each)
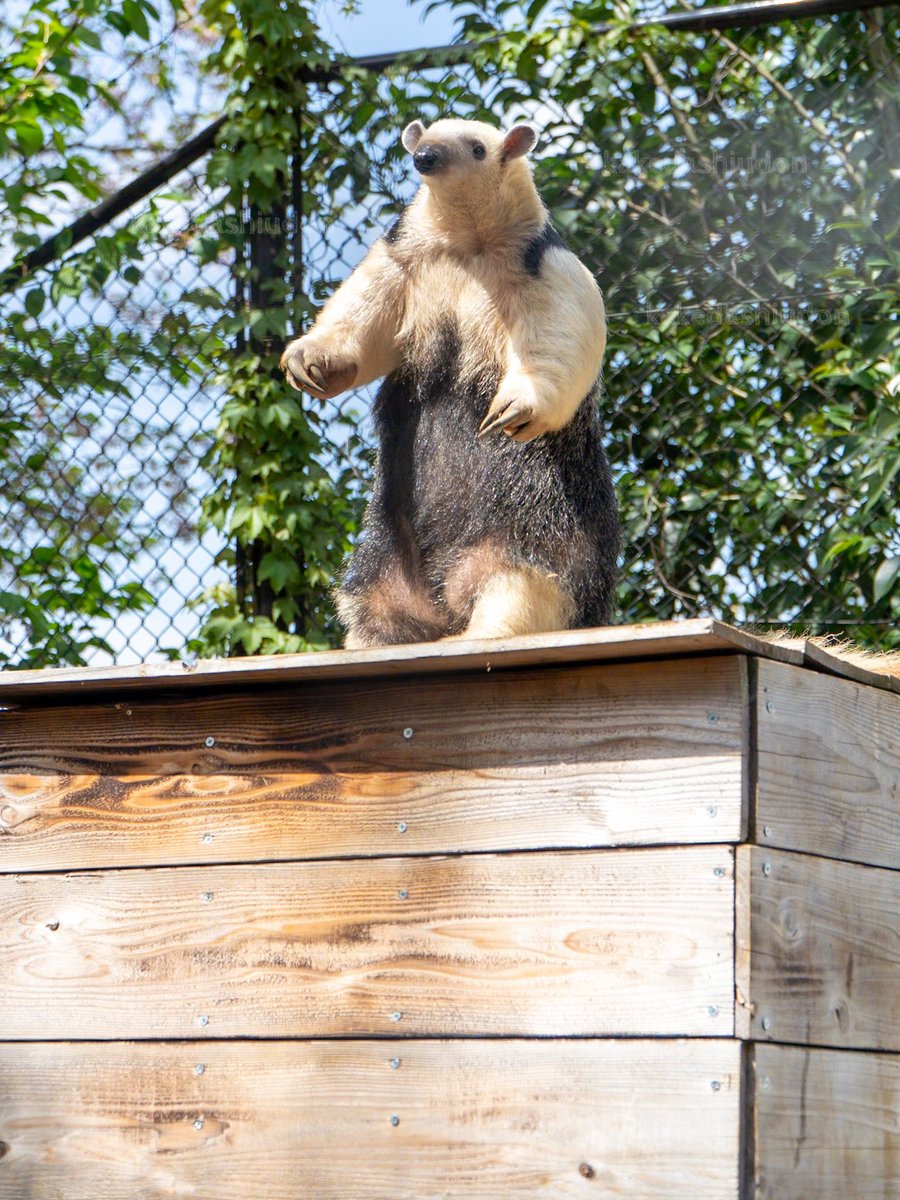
(383, 25)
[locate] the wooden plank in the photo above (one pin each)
(658, 639)
(825, 950)
(587, 943)
(827, 1125)
(278, 1121)
(491, 762)
(880, 671)
(828, 766)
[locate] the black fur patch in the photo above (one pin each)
(538, 247)
(396, 230)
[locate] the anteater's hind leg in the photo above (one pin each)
(496, 597)
(391, 610)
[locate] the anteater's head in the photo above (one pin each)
(470, 159)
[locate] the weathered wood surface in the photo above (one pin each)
(828, 766)
(648, 753)
(824, 950)
(659, 639)
(827, 1125)
(588, 943)
(476, 1120)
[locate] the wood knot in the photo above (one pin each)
(587, 1171)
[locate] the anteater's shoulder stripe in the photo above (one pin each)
(538, 246)
(396, 230)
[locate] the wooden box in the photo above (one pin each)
(600, 914)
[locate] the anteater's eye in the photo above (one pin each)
(478, 150)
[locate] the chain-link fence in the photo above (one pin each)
(733, 190)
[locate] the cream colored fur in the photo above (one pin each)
(461, 253)
(523, 600)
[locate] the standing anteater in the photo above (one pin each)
(482, 321)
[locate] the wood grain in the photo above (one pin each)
(588, 943)
(827, 1125)
(825, 950)
(648, 753)
(280, 1121)
(656, 639)
(828, 766)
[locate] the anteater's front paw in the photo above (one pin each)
(517, 411)
(310, 366)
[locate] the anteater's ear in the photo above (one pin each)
(412, 135)
(519, 140)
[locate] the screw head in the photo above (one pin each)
(396, 1016)
(395, 1120)
(766, 1082)
(198, 1124)
(719, 872)
(713, 1010)
(767, 831)
(207, 839)
(200, 1068)
(711, 810)
(403, 894)
(767, 868)
(766, 1024)
(407, 732)
(204, 1020)
(713, 718)
(402, 827)
(716, 1085)
(207, 897)
(395, 1064)
(210, 742)
(770, 706)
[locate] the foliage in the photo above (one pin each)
(287, 513)
(738, 201)
(66, 529)
(734, 194)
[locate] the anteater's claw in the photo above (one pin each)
(316, 376)
(493, 421)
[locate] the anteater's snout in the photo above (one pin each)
(428, 159)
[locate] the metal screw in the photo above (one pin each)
(396, 1016)
(207, 838)
(716, 1085)
(407, 732)
(713, 718)
(767, 831)
(199, 1069)
(766, 1023)
(719, 872)
(402, 827)
(395, 1120)
(711, 810)
(766, 1082)
(204, 1020)
(210, 742)
(395, 1063)
(770, 706)
(403, 894)
(713, 1011)
(198, 1124)
(767, 868)
(207, 896)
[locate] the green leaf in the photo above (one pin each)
(34, 302)
(885, 577)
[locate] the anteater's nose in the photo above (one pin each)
(426, 159)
